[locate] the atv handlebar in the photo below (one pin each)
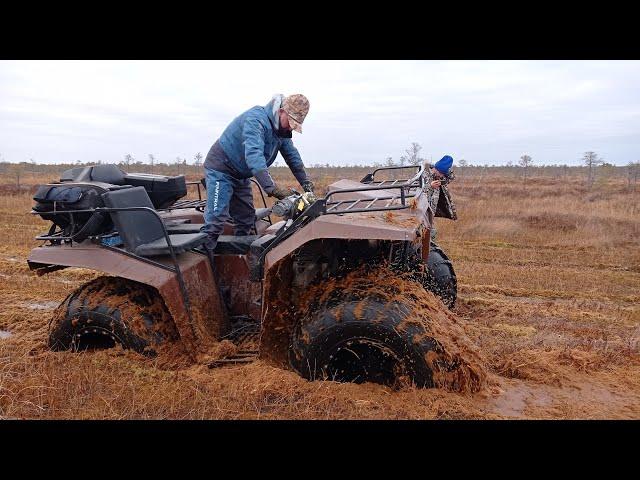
(292, 206)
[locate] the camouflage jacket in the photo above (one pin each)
(440, 198)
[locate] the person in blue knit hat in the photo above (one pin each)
(443, 166)
(436, 178)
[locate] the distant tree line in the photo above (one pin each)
(593, 167)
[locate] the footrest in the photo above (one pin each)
(232, 245)
(241, 358)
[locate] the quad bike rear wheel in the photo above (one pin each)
(109, 311)
(358, 339)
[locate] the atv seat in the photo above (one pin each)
(142, 231)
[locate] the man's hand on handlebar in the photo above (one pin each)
(308, 186)
(280, 193)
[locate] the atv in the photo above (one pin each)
(162, 286)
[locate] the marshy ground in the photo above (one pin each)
(549, 292)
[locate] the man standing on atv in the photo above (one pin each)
(246, 148)
(436, 179)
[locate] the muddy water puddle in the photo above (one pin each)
(515, 398)
(39, 305)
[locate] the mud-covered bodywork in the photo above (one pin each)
(208, 320)
(355, 223)
(410, 224)
(355, 226)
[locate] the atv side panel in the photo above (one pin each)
(208, 320)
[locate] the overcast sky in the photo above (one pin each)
(361, 111)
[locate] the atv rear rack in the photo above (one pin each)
(201, 203)
(183, 204)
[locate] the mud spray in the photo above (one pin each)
(457, 364)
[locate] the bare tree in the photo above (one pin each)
(633, 172)
(525, 162)
(198, 159)
(389, 162)
(462, 163)
(412, 155)
(178, 163)
(151, 160)
(16, 171)
(591, 160)
(128, 159)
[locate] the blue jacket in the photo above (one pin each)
(251, 144)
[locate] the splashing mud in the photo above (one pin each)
(455, 363)
(139, 306)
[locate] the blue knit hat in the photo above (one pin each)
(444, 164)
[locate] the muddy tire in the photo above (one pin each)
(109, 311)
(437, 276)
(352, 339)
(441, 279)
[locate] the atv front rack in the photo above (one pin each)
(399, 191)
(403, 190)
(369, 178)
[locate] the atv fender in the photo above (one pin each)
(208, 317)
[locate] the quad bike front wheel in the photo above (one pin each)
(109, 311)
(441, 279)
(355, 339)
(436, 275)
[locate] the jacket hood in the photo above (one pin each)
(272, 109)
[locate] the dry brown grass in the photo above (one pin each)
(549, 281)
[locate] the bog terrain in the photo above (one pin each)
(549, 293)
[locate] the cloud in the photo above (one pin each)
(361, 111)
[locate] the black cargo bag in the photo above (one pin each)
(53, 202)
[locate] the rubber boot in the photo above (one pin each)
(208, 247)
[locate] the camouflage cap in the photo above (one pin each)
(297, 107)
